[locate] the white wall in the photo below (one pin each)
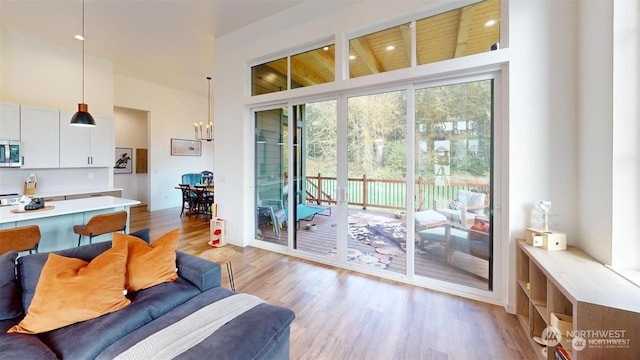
(625, 252)
(171, 114)
(36, 73)
(131, 132)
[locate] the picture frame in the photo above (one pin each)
(184, 147)
(123, 161)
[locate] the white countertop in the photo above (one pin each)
(66, 207)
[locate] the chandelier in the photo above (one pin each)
(205, 132)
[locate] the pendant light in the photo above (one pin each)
(208, 129)
(82, 117)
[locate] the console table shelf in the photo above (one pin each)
(604, 307)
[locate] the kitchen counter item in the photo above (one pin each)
(46, 208)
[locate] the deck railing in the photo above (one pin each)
(382, 193)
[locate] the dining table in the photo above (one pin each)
(203, 203)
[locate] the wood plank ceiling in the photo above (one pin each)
(452, 34)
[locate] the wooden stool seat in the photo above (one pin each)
(102, 224)
(25, 238)
(221, 256)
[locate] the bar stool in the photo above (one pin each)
(102, 224)
(221, 256)
(25, 238)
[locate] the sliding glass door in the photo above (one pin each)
(376, 180)
(333, 180)
(453, 172)
(313, 186)
(270, 175)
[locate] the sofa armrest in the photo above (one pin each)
(202, 273)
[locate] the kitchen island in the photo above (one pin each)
(56, 224)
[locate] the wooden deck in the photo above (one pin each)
(372, 248)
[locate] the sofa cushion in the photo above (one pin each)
(70, 290)
(142, 234)
(149, 265)
(250, 335)
(202, 273)
(30, 266)
(10, 305)
(81, 340)
(22, 346)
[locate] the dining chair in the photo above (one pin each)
(188, 198)
(24, 238)
(102, 224)
(203, 200)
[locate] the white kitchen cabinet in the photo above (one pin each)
(86, 146)
(9, 121)
(40, 137)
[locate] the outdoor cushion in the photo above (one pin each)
(471, 198)
(428, 217)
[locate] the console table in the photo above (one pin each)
(603, 307)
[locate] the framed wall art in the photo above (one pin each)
(123, 161)
(181, 147)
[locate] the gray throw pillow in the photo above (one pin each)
(10, 306)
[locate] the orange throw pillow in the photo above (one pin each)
(153, 264)
(71, 290)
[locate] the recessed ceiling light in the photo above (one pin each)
(490, 23)
(352, 57)
(326, 48)
(78, 36)
(390, 48)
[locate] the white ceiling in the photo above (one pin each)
(167, 42)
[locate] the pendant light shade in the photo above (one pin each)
(82, 117)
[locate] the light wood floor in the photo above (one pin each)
(347, 315)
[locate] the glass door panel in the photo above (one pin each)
(270, 173)
(453, 172)
(314, 181)
(376, 183)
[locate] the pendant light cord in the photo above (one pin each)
(209, 99)
(83, 40)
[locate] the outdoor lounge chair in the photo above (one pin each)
(473, 242)
(464, 208)
(273, 211)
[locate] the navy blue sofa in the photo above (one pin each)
(262, 332)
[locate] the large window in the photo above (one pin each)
(309, 68)
(461, 32)
(381, 51)
(466, 31)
